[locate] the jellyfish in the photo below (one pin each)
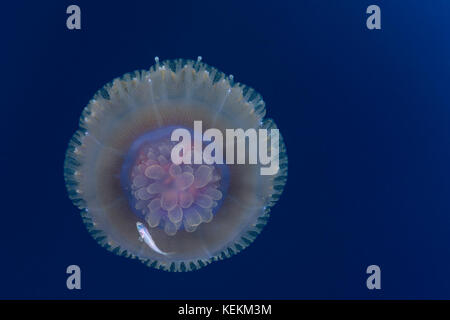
(119, 171)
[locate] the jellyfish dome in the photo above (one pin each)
(138, 203)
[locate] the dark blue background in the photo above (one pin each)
(365, 116)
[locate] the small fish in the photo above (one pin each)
(145, 236)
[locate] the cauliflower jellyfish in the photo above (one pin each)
(135, 201)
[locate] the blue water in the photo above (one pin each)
(365, 116)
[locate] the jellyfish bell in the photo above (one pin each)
(138, 203)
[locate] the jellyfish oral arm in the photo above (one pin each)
(145, 236)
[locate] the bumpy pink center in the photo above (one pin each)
(173, 196)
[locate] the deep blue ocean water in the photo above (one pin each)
(365, 116)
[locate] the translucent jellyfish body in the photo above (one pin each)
(135, 201)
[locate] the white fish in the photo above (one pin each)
(145, 236)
